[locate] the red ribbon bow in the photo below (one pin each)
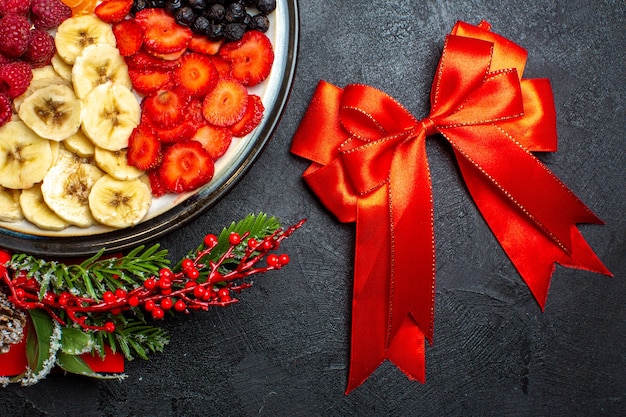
(370, 167)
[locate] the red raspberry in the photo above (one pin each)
(5, 59)
(40, 48)
(48, 14)
(15, 78)
(5, 109)
(14, 6)
(14, 32)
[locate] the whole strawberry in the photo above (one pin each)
(5, 109)
(48, 14)
(15, 78)
(14, 6)
(40, 49)
(14, 32)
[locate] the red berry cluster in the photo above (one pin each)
(26, 44)
(198, 284)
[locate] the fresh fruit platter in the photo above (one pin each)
(121, 120)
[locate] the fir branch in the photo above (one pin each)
(117, 301)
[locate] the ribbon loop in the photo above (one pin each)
(370, 166)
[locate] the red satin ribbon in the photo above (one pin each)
(370, 167)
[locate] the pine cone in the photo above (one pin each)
(12, 323)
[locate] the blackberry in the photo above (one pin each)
(234, 31)
(215, 32)
(185, 16)
(197, 4)
(215, 12)
(260, 22)
(235, 12)
(173, 5)
(200, 25)
(266, 6)
(138, 5)
(156, 4)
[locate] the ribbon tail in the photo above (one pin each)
(370, 300)
(413, 275)
(407, 350)
(522, 179)
(531, 251)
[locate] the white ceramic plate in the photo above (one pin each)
(171, 211)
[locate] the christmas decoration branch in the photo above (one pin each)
(116, 302)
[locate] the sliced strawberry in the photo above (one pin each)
(164, 108)
(251, 57)
(251, 119)
(203, 45)
(112, 11)
(226, 104)
(162, 35)
(185, 167)
(196, 74)
(194, 113)
(180, 132)
(143, 60)
(128, 36)
(144, 149)
(223, 67)
(158, 189)
(215, 140)
(172, 56)
(148, 81)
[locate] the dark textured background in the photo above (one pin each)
(283, 351)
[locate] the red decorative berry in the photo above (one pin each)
(267, 244)
(108, 297)
(4, 257)
(133, 301)
(180, 305)
(109, 327)
(193, 273)
(165, 283)
(14, 6)
(149, 305)
(49, 297)
(150, 283)
(20, 293)
(64, 298)
(40, 48)
(210, 240)
(48, 14)
(120, 293)
(15, 33)
(199, 291)
(223, 292)
(166, 303)
(16, 77)
(234, 238)
(158, 313)
(187, 264)
(272, 260)
(5, 109)
(166, 273)
(284, 259)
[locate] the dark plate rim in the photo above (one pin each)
(185, 212)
